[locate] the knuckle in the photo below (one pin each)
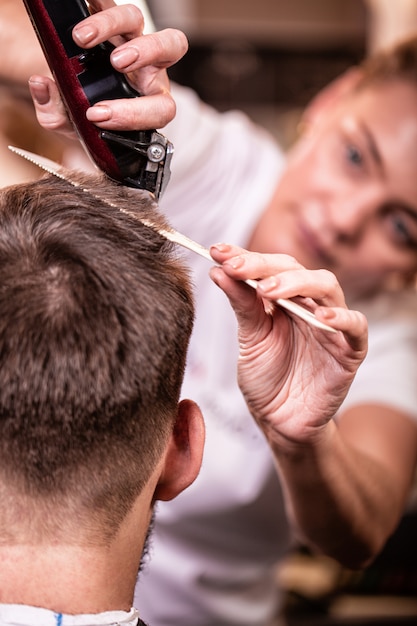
(180, 40)
(328, 277)
(134, 15)
(172, 44)
(159, 45)
(292, 262)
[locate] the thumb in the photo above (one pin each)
(247, 305)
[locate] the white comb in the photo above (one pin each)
(173, 235)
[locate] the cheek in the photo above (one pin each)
(314, 154)
(274, 233)
(378, 252)
(369, 256)
(301, 165)
(373, 263)
(360, 274)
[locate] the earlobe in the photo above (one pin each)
(184, 453)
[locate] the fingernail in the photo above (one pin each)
(84, 34)
(236, 262)
(98, 113)
(267, 284)
(39, 92)
(221, 247)
(125, 57)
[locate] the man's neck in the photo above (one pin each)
(69, 579)
(80, 574)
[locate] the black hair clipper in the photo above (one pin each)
(84, 77)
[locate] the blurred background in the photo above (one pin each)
(266, 57)
(269, 57)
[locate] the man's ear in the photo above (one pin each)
(184, 453)
(328, 97)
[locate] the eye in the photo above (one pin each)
(403, 227)
(354, 155)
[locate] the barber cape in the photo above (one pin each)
(23, 615)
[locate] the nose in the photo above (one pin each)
(350, 213)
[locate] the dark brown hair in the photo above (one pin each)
(95, 317)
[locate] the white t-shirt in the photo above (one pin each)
(215, 547)
(389, 373)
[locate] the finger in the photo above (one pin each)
(50, 110)
(161, 50)
(125, 20)
(248, 307)
(353, 324)
(133, 114)
(242, 264)
(279, 275)
(241, 296)
(319, 285)
(100, 5)
(222, 251)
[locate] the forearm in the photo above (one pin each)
(344, 502)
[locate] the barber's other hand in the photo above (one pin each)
(293, 376)
(143, 58)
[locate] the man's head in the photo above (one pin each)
(95, 318)
(348, 198)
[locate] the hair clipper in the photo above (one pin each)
(84, 77)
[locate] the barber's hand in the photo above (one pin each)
(293, 376)
(143, 58)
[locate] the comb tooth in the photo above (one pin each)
(43, 163)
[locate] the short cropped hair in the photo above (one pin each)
(96, 312)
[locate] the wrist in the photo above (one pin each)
(314, 443)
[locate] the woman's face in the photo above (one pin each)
(348, 198)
